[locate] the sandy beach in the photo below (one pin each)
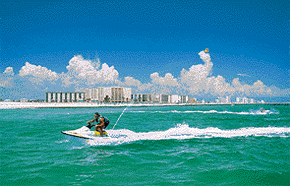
(23, 105)
(26, 105)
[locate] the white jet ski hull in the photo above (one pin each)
(85, 133)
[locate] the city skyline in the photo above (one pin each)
(149, 48)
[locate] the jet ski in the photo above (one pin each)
(85, 133)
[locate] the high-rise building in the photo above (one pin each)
(64, 97)
(108, 94)
(175, 99)
(92, 95)
(127, 94)
(117, 94)
(164, 98)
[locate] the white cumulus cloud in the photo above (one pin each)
(167, 84)
(107, 74)
(167, 80)
(195, 79)
(197, 73)
(38, 72)
(130, 81)
(6, 77)
(8, 71)
(81, 68)
(82, 73)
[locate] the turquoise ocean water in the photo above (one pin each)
(170, 145)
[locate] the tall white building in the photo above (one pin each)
(64, 97)
(252, 100)
(175, 98)
(245, 100)
(184, 99)
(117, 94)
(92, 95)
(105, 94)
(228, 100)
(108, 94)
(127, 94)
(88, 94)
(145, 98)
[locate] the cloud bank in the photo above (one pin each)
(33, 81)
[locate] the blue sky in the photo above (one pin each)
(248, 40)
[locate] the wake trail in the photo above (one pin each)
(251, 112)
(183, 131)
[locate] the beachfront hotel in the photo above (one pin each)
(159, 98)
(64, 97)
(245, 100)
(114, 95)
(98, 95)
(108, 94)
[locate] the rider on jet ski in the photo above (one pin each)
(102, 123)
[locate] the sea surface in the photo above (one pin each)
(169, 145)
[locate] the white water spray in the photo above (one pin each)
(183, 131)
(119, 118)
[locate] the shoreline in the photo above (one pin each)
(27, 105)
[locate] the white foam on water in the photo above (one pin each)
(183, 131)
(62, 141)
(251, 112)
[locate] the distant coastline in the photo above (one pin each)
(27, 105)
